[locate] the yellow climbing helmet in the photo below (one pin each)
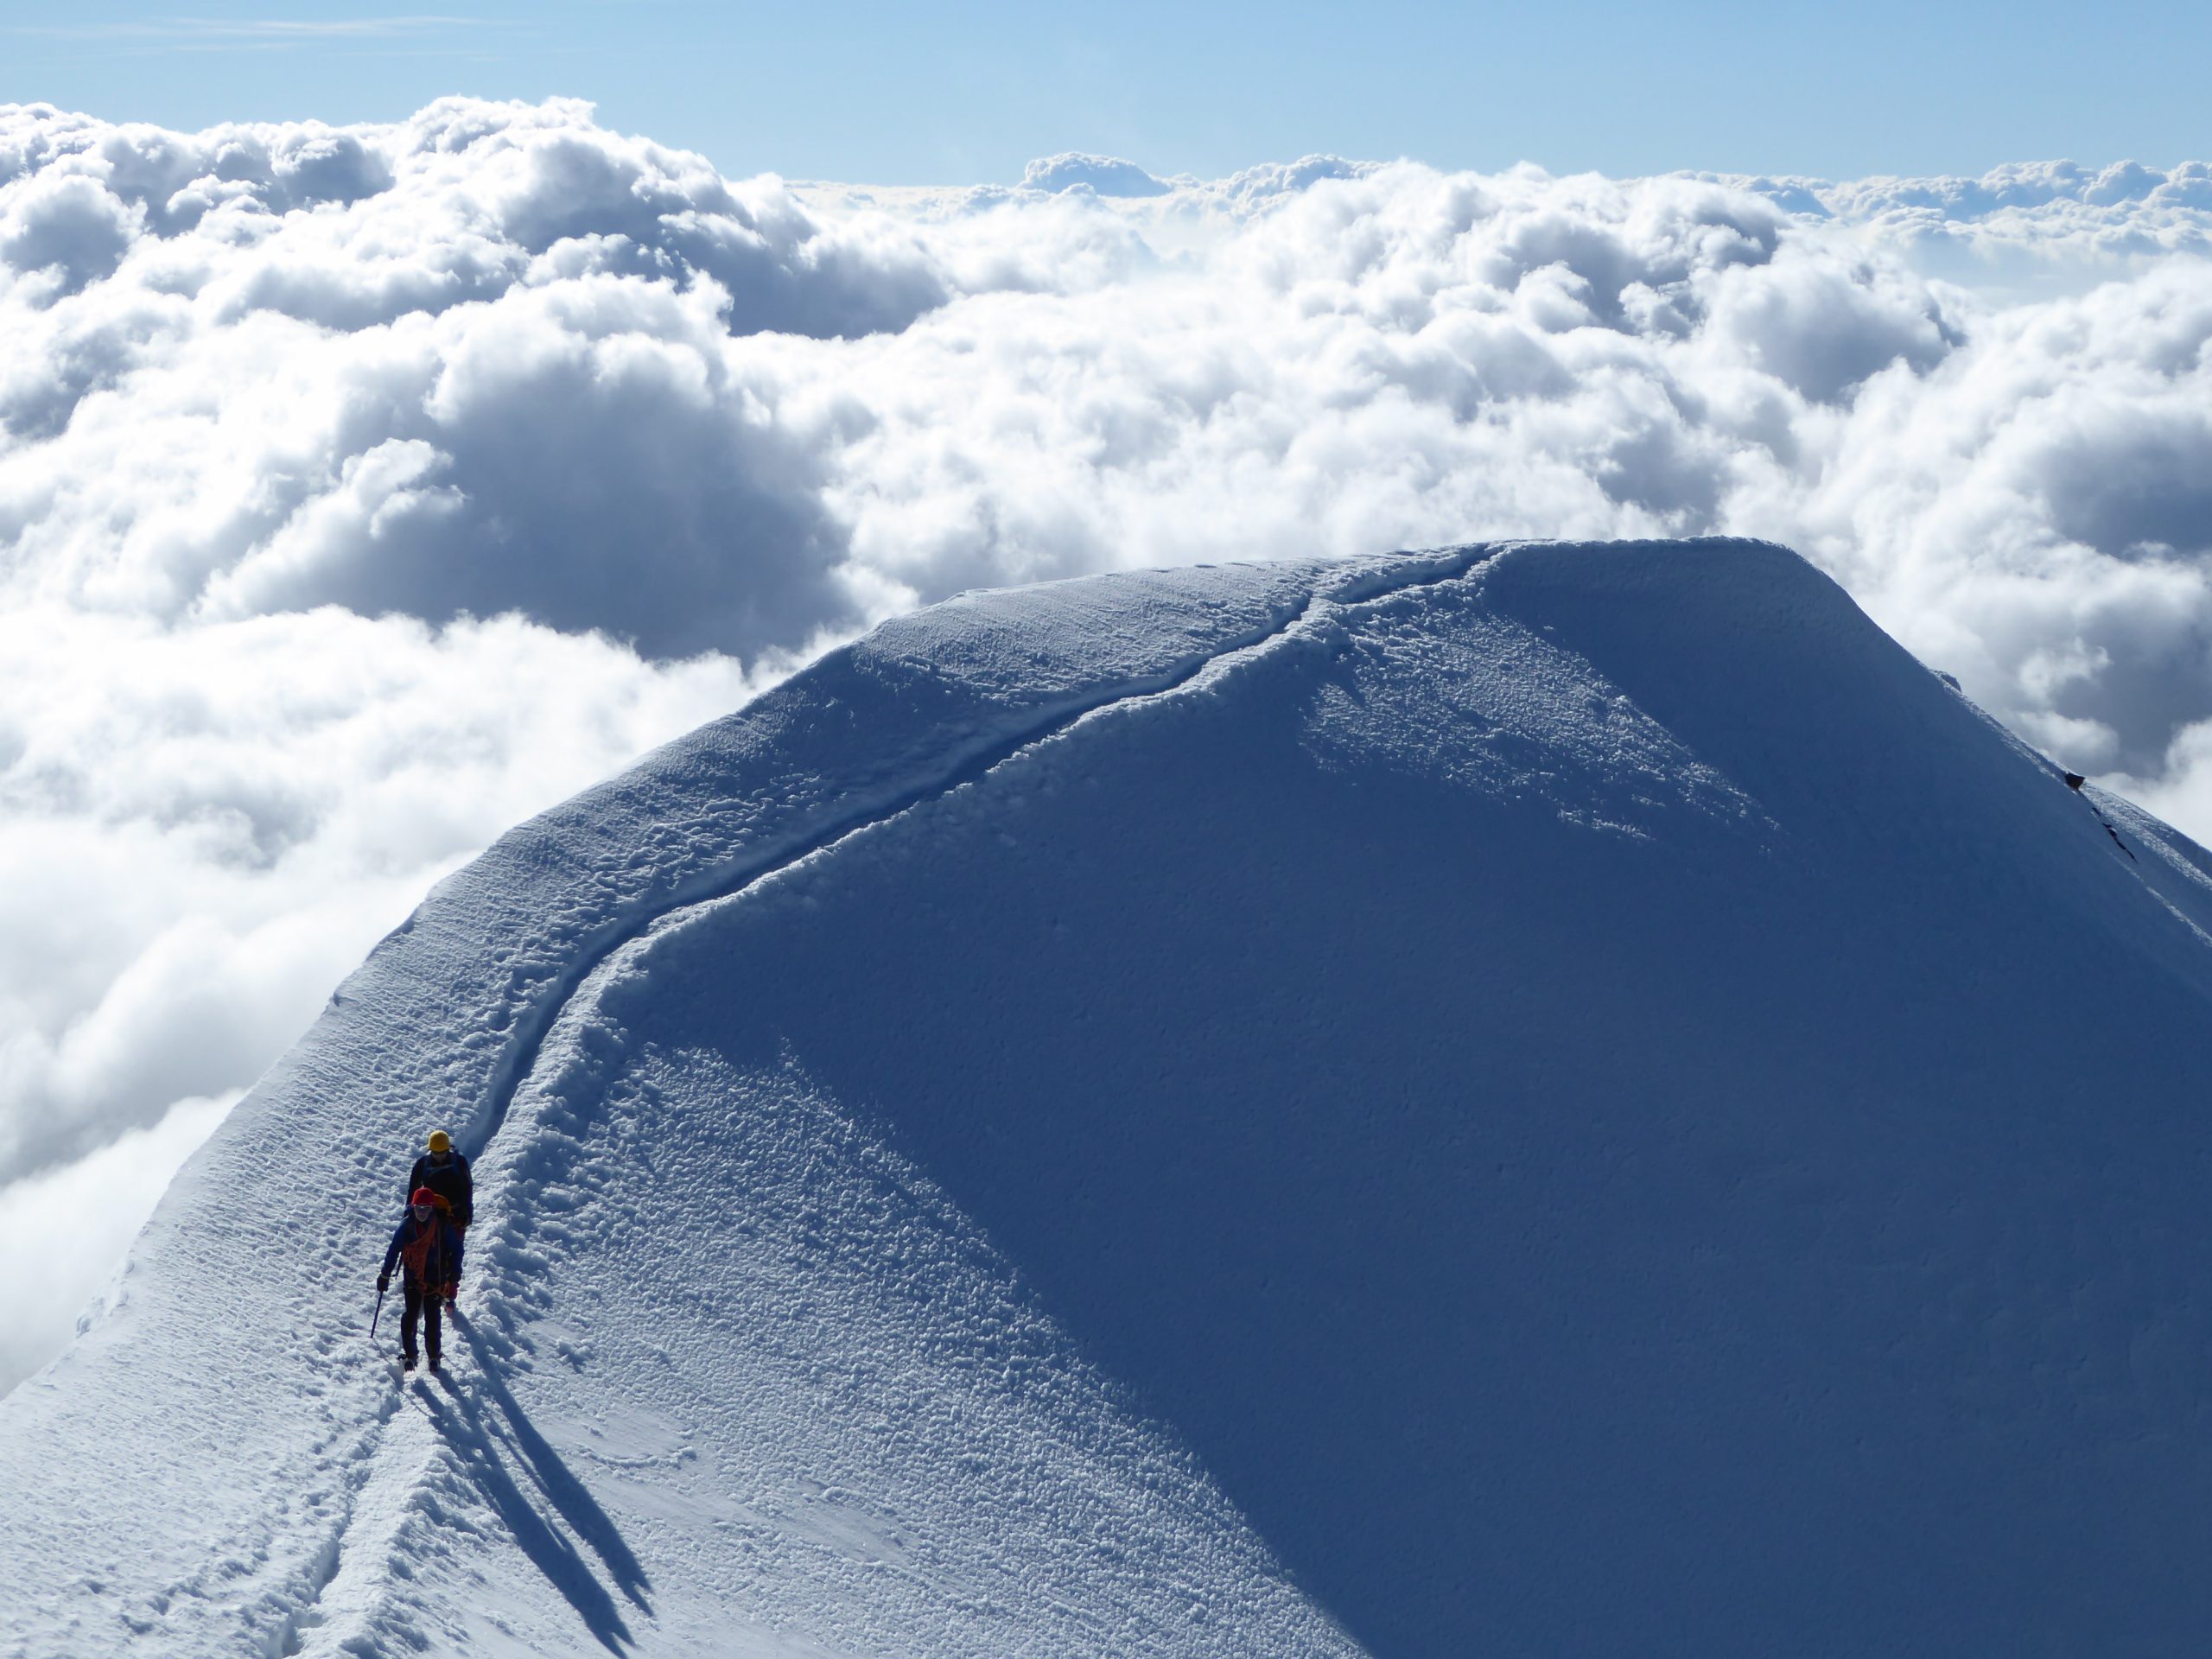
(440, 1142)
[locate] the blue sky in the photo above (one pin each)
(968, 92)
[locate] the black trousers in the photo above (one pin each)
(425, 1304)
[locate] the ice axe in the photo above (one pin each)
(379, 1314)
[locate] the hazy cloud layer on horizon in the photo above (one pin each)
(364, 490)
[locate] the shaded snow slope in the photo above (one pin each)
(1543, 1099)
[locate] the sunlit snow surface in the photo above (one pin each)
(1541, 1099)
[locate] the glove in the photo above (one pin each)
(453, 1288)
(383, 1283)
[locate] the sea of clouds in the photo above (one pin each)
(364, 489)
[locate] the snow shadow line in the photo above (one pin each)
(476, 1439)
(1424, 568)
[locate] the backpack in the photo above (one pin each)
(427, 1244)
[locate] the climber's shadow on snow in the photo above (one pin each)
(483, 1422)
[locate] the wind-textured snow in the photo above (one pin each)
(1537, 1098)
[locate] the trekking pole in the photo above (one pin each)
(379, 1314)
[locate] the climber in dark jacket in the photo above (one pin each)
(445, 1172)
(427, 1247)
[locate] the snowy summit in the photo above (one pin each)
(1533, 1098)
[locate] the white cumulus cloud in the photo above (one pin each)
(363, 490)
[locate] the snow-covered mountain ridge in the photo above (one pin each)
(1541, 1098)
